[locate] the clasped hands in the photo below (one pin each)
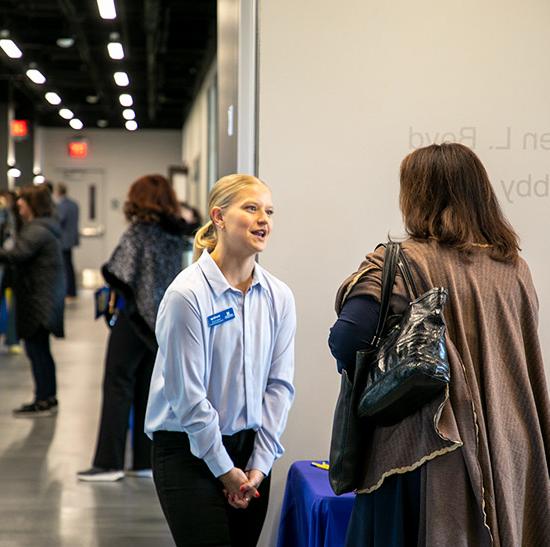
(240, 487)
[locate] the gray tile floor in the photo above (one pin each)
(41, 502)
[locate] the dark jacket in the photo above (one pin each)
(67, 211)
(146, 260)
(39, 281)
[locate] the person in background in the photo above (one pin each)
(191, 215)
(144, 263)
(10, 222)
(222, 383)
(68, 213)
(39, 286)
(471, 466)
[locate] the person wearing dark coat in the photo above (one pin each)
(147, 258)
(39, 289)
(68, 213)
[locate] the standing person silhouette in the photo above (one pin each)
(222, 384)
(68, 213)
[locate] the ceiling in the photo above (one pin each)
(168, 46)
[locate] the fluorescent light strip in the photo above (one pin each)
(36, 76)
(10, 48)
(53, 98)
(121, 79)
(126, 100)
(107, 9)
(115, 50)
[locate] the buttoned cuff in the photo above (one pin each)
(262, 460)
(220, 463)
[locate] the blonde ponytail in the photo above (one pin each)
(222, 195)
(205, 238)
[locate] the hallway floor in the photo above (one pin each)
(41, 501)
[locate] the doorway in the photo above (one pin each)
(87, 188)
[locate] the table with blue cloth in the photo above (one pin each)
(312, 514)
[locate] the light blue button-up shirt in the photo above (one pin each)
(210, 381)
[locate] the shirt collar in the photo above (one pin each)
(217, 280)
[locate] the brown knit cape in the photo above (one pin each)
(484, 444)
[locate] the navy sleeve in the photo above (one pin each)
(354, 330)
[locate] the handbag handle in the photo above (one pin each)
(394, 257)
(388, 278)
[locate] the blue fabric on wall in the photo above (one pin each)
(312, 515)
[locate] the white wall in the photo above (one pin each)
(345, 92)
(195, 145)
(122, 155)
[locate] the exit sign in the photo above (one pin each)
(19, 128)
(78, 149)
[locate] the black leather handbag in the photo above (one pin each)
(404, 368)
(407, 363)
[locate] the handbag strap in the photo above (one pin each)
(394, 258)
(391, 257)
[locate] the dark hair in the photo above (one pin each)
(39, 200)
(150, 198)
(61, 189)
(446, 195)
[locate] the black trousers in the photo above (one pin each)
(192, 498)
(128, 368)
(69, 272)
(38, 351)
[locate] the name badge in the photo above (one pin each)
(220, 317)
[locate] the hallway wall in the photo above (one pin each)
(344, 95)
(122, 155)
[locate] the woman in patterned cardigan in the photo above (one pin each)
(146, 260)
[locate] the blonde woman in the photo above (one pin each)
(222, 383)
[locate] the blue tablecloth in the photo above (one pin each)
(312, 515)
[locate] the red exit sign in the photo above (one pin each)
(19, 128)
(78, 149)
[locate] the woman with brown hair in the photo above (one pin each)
(146, 260)
(471, 466)
(39, 287)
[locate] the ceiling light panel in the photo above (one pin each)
(126, 100)
(128, 114)
(66, 113)
(53, 98)
(131, 125)
(75, 123)
(115, 50)
(121, 79)
(36, 76)
(10, 48)
(107, 9)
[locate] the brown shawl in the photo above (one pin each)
(486, 441)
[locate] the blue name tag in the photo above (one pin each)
(220, 317)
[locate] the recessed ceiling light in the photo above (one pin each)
(66, 113)
(92, 99)
(126, 100)
(121, 79)
(131, 125)
(14, 172)
(53, 98)
(115, 50)
(102, 123)
(66, 42)
(128, 114)
(10, 48)
(39, 179)
(107, 9)
(75, 123)
(36, 76)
